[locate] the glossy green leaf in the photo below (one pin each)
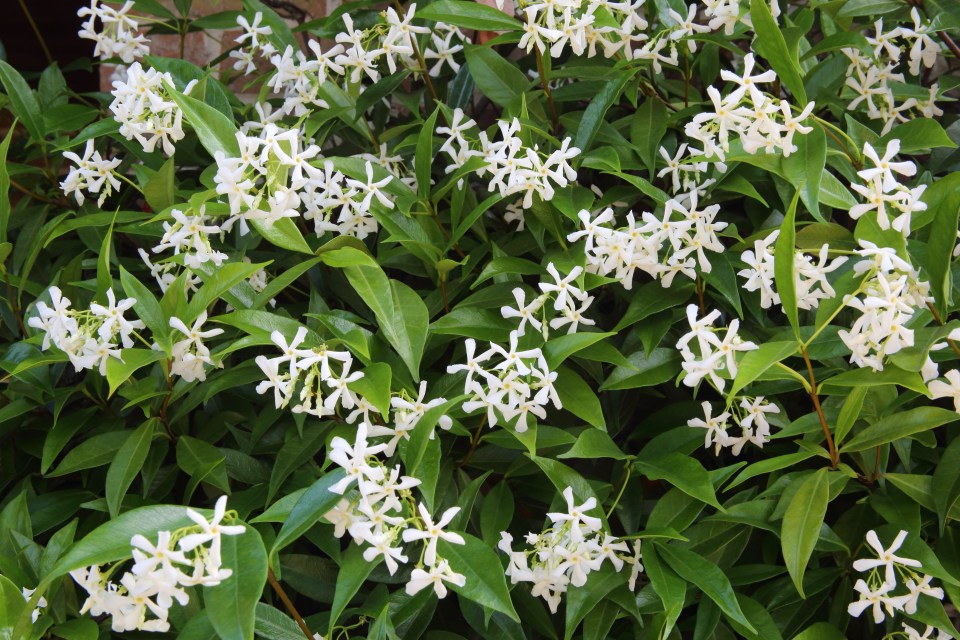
(127, 464)
(770, 44)
(669, 587)
(804, 168)
(485, 582)
(756, 362)
(231, 605)
(900, 425)
(785, 276)
(498, 79)
(22, 100)
(946, 478)
(216, 131)
(801, 524)
(316, 501)
(699, 571)
(469, 15)
(684, 473)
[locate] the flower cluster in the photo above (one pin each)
(190, 354)
(142, 597)
(887, 299)
(568, 300)
(272, 178)
(705, 355)
(144, 109)
(356, 55)
(514, 168)
(566, 553)
(749, 415)
(660, 247)
(884, 193)
(189, 235)
(310, 369)
(375, 515)
(810, 277)
(508, 383)
(88, 337)
(92, 174)
(878, 590)
(873, 76)
(118, 33)
(251, 46)
(759, 121)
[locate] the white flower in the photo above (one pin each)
(949, 389)
(433, 531)
(420, 579)
(884, 169)
(885, 557)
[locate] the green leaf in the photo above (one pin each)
(401, 313)
(596, 111)
(849, 412)
(119, 371)
(423, 162)
(231, 605)
(220, 281)
(498, 79)
(282, 233)
(583, 600)
(146, 306)
(562, 347)
(354, 570)
(216, 131)
(374, 386)
(469, 15)
(647, 127)
(869, 378)
(480, 565)
(669, 587)
(856, 8)
(683, 472)
(94, 452)
(562, 476)
(708, 577)
(23, 101)
(804, 168)
(900, 425)
(578, 398)
(202, 462)
(820, 631)
(652, 298)
(12, 607)
(159, 188)
(128, 463)
(77, 629)
(801, 524)
(312, 505)
(110, 541)
(756, 362)
(784, 250)
(644, 370)
(917, 136)
(770, 44)
(763, 467)
(943, 204)
(946, 478)
(5, 188)
(273, 624)
(593, 443)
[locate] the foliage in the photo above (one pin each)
(445, 299)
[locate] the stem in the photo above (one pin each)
(623, 486)
(703, 306)
(554, 118)
(876, 468)
(834, 456)
(288, 604)
(36, 196)
(14, 307)
(474, 442)
(36, 32)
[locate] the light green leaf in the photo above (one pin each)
(900, 425)
(354, 570)
(23, 101)
(785, 276)
(498, 79)
(216, 131)
(708, 577)
(683, 472)
(480, 565)
(770, 44)
(469, 15)
(593, 443)
(231, 605)
(312, 505)
(756, 362)
(282, 233)
(804, 168)
(801, 524)
(127, 464)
